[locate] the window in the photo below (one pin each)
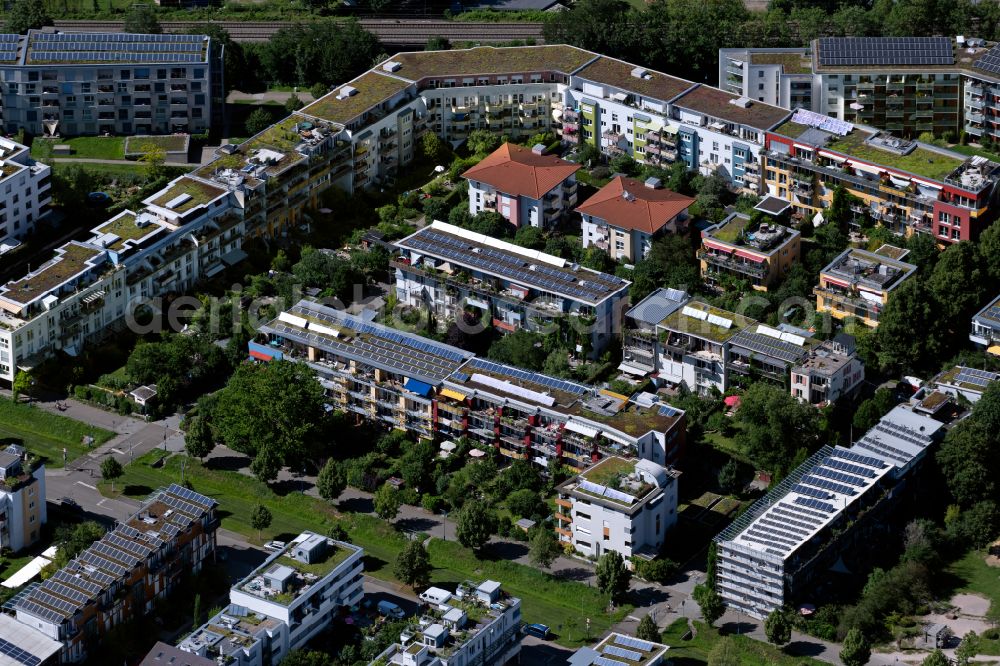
(760, 73)
(760, 86)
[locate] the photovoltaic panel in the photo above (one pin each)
(835, 475)
(68, 593)
(75, 581)
(843, 466)
(38, 610)
(634, 643)
(873, 51)
(8, 649)
(811, 492)
(605, 661)
(980, 378)
(829, 485)
(859, 458)
(622, 652)
(815, 504)
(990, 62)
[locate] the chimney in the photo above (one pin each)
(654, 183)
(538, 149)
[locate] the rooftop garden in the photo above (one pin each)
(125, 228)
(792, 63)
(733, 230)
(631, 419)
(608, 471)
(201, 193)
(922, 161)
(73, 260)
(791, 129)
(171, 143)
(485, 60)
(702, 328)
(372, 88)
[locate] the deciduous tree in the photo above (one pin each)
(198, 440)
(260, 519)
(387, 502)
(777, 628)
(856, 650)
(141, 19)
(413, 565)
(111, 470)
(258, 121)
(476, 523)
(544, 548)
(27, 15)
(613, 576)
(710, 603)
(647, 630)
(332, 480)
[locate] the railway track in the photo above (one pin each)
(402, 32)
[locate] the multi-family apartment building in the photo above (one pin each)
(618, 647)
(693, 346)
(626, 215)
(827, 510)
(985, 331)
(57, 83)
(760, 352)
(907, 186)
(527, 187)
(359, 135)
(25, 193)
(621, 505)
(906, 85)
(858, 283)
(780, 76)
(124, 574)
(753, 251)
(22, 499)
(640, 339)
(482, 627)
(449, 269)
(282, 604)
(432, 390)
(829, 370)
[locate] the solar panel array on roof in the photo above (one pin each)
(990, 62)
(852, 51)
(191, 496)
(587, 285)
(768, 346)
(634, 643)
(115, 47)
(11, 651)
(615, 651)
(980, 378)
(525, 376)
(113, 56)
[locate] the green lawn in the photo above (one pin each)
(95, 147)
(751, 652)
(46, 434)
(975, 150)
(113, 171)
(11, 565)
(544, 598)
(972, 574)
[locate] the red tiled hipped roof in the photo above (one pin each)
(645, 209)
(515, 170)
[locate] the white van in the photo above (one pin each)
(435, 596)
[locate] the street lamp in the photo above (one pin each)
(444, 525)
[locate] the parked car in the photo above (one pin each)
(274, 546)
(537, 630)
(389, 609)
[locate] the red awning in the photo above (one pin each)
(750, 256)
(716, 246)
(260, 356)
(839, 283)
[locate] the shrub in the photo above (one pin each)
(432, 503)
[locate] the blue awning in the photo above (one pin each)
(420, 388)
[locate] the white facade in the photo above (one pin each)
(25, 192)
(312, 603)
(828, 373)
(22, 500)
(781, 77)
(630, 520)
(446, 636)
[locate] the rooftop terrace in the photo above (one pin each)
(71, 260)
(486, 60)
(791, 63)
(864, 268)
(714, 324)
(763, 236)
(293, 576)
(125, 228)
(369, 90)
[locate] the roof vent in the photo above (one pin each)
(628, 196)
(392, 66)
(742, 102)
(346, 91)
(641, 73)
(538, 149)
(653, 183)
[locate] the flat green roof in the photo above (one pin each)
(201, 193)
(372, 89)
(702, 328)
(791, 63)
(484, 60)
(730, 231)
(791, 129)
(124, 227)
(921, 161)
(72, 261)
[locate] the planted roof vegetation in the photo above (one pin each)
(372, 89)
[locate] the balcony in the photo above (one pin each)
(753, 268)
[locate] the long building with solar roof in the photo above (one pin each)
(122, 575)
(823, 513)
(447, 268)
(434, 390)
(57, 83)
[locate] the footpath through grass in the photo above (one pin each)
(544, 598)
(751, 652)
(93, 147)
(45, 434)
(970, 574)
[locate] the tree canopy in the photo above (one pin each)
(27, 15)
(272, 412)
(141, 19)
(775, 426)
(321, 51)
(613, 577)
(476, 523)
(413, 565)
(260, 518)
